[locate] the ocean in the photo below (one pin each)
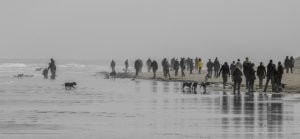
(35, 108)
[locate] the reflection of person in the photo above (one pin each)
(52, 68)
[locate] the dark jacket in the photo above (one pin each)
(224, 70)
(261, 71)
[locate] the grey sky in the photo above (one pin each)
(142, 28)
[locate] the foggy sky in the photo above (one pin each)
(105, 29)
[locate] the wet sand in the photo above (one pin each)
(292, 80)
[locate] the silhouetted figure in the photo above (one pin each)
(225, 73)
(172, 64)
(182, 66)
(176, 67)
(126, 65)
(137, 66)
(287, 64)
(251, 78)
(237, 80)
(52, 68)
(217, 66)
(154, 67)
(280, 71)
(261, 74)
(45, 73)
(196, 63)
(149, 64)
(246, 67)
(200, 65)
(191, 64)
(141, 65)
(210, 67)
(166, 68)
(239, 64)
(232, 68)
(292, 60)
(270, 76)
(113, 66)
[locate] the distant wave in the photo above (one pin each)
(72, 65)
(13, 65)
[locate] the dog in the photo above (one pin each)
(194, 85)
(69, 86)
(190, 85)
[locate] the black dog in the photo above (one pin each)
(190, 85)
(194, 85)
(69, 86)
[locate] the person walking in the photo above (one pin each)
(280, 71)
(148, 64)
(246, 67)
(216, 66)
(182, 66)
(210, 67)
(154, 67)
(261, 74)
(287, 64)
(137, 66)
(292, 64)
(251, 77)
(126, 65)
(232, 68)
(52, 68)
(113, 66)
(270, 75)
(176, 67)
(237, 80)
(200, 65)
(225, 73)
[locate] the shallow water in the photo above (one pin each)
(123, 108)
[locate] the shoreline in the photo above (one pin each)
(292, 81)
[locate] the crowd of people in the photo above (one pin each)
(235, 71)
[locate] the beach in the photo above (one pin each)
(32, 107)
(292, 81)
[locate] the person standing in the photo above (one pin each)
(270, 75)
(246, 67)
(113, 66)
(261, 74)
(137, 66)
(126, 65)
(232, 68)
(52, 68)
(176, 67)
(210, 67)
(191, 64)
(200, 65)
(216, 66)
(280, 71)
(149, 64)
(154, 67)
(287, 64)
(237, 80)
(182, 66)
(239, 64)
(292, 64)
(225, 73)
(251, 77)
(166, 68)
